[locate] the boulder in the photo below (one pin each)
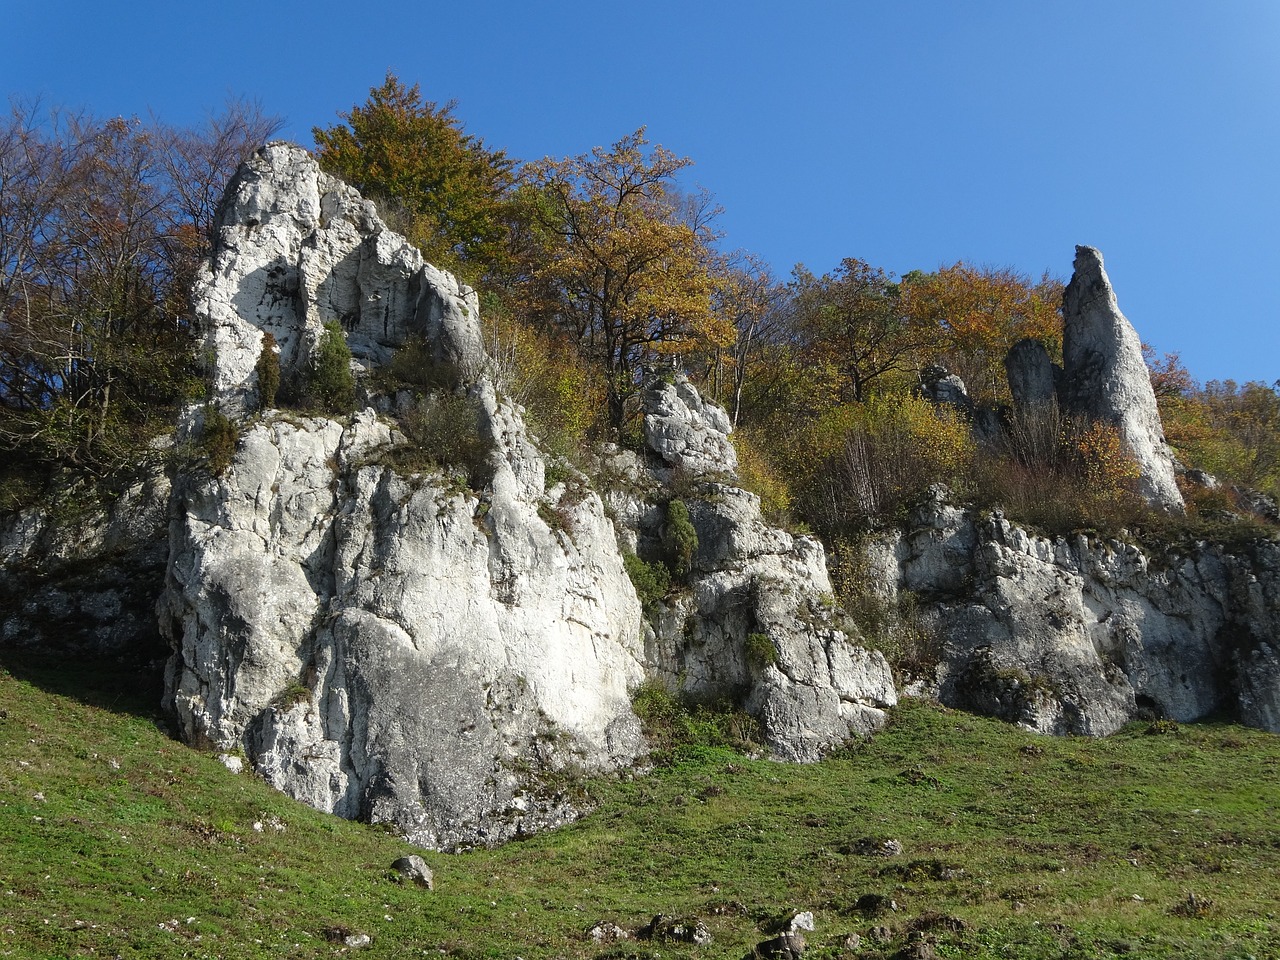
(686, 432)
(939, 385)
(415, 870)
(1033, 377)
(1105, 378)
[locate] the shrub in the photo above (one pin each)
(329, 383)
(444, 431)
(651, 580)
(268, 370)
(758, 474)
(874, 460)
(563, 396)
(760, 651)
(218, 440)
(415, 366)
(680, 539)
(670, 722)
(1059, 474)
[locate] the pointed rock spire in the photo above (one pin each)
(1105, 377)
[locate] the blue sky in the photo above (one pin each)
(910, 134)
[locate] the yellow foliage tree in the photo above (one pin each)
(613, 263)
(978, 313)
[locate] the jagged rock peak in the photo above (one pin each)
(296, 249)
(1105, 377)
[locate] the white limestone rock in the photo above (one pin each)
(392, 647)
(1105, 377)
(747, 577)
(381, 643)
(684, 430)
(296, 249)
(1072, 635)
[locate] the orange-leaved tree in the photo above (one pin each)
(978, 313)
(612, 261)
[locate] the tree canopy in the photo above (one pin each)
(102, 223)
(441, 187)
(614, 263)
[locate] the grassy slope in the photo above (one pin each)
(1034, 847)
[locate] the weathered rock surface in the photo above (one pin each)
(1105, 377)
(399, 646)
(686, 432)
(1033, 378)
(84, 580)
(297, 248)
(747, 578)
(386, 644)
(1072, 635)
(940, 385)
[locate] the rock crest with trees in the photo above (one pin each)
(448, 651)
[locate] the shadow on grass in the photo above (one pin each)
(105, 683)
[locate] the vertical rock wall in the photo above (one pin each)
(1105, 377)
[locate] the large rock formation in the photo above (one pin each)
(1075, 635)
(1105, 378)
(440, 651)
(806, 680)
(383, 643)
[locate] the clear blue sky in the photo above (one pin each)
(909, 134)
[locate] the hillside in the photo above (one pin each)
(1160, 841)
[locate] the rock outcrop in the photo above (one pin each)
(83, 580)
(1033, 377)
(435, 650)
(807, 681)
(1073, 635)
(297, 249)
(385, 643)
(1105, 378)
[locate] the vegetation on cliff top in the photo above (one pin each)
(596, 270)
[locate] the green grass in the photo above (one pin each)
(1014, 846)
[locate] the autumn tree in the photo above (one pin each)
(96, 251)
(977, 313)
(196, 165)
(745, 298)
(614, 264)
(440, 186)
(853, 321)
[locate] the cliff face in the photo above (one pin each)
(448, 650)
(1079, 636)
(397, 645)
(808, 682)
